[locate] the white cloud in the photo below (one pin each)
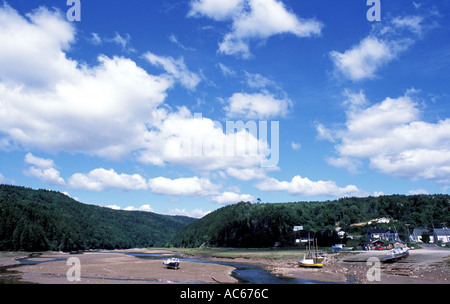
(232, 197)
(191, 186)
(101, 179)
(226, 71)
(296, 146)
(418, 191)
(303, 186)
(392, 136)
(196, 213)
(412, 23)
(53, 103)
(95, 39)
(122, 41)
(255, 80)
(324, 133)
(199, 143)
(114, 207)
(50, 102)
(257, 106)
(247, 174)
(384, 44)
(363, 60)
(43, 169)
(145, 207)
(215, 9)
(253, 19)
(175, 68)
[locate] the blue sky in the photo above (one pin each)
(129, 107)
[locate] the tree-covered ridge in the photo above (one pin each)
(46, 220)
(263, 225)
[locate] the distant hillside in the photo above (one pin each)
(46, 220)
(263, 225)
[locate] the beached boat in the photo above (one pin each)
(313, 258)
(172, 263)
(395, 254)
(341, 247)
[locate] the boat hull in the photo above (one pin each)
(395, 256)
(172, 264)
(309, 263)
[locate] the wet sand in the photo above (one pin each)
(116, 267)
(428, 265)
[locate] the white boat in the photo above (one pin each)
(312, 258)
(172, 263)
(309, 261)
(396, 254)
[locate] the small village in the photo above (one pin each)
(374, 237)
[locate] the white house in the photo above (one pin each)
(442, 235)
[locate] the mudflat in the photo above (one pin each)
(427, 265)
(116, 267)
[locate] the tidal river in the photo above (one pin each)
(245, 273)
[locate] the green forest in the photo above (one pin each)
(263, 225)
(37, 220)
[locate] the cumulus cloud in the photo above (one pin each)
(196, 213)
(43, 169)
(53, 103)
(303, 186)
(363, 60)
(145, 207)
(384, 44)
(190, 186)
(392, 136)
(257, 106)
(200, 143)
(253, 20)
(215, 9)
(229, 197)
(101, 179)
(247, 174)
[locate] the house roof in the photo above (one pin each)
(442, 232)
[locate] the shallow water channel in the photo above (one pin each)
(245, 273)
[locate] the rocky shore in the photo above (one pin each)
(430, 265)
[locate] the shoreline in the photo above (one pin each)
(424, 266)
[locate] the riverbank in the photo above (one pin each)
(430, 265)
(427, 265)
(113, 267)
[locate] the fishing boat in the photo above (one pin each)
(313, 258)
(172, 263)
(396, 254)
(341, 247)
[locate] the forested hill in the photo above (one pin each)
(34, 220)
(263, 225)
